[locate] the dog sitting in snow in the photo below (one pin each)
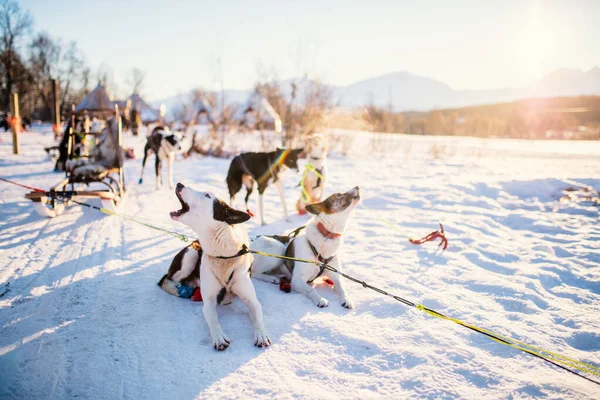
(313, 179)
(322, 240)
(262, 168)
(105, 155)
(224, 266)
(164, 145)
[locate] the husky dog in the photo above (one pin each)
(321, 240)
(163, 144)
(107, 154)
(262, 168)
(224, 266)
(313, 180)
(184, 271)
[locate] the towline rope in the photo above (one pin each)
(558, 360)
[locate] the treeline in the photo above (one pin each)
(29, 60)
(553, 118)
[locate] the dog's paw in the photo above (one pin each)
(322, 302)
(221, 343)
(347, 304)
(261, 339)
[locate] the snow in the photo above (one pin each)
(81, 315)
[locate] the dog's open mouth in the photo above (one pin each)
(184, 206)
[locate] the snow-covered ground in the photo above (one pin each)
(81, 315)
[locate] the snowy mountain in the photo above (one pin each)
(406, 91)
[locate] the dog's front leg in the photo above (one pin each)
(300, 276)
(279, 185)
(242, 286)
(157, 168)
(210, 288)
(338, 283)
(261, 209)
(170, 169)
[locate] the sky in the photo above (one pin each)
(182, 44)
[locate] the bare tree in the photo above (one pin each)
(14, 24)
(136, 80)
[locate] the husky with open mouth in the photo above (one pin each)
(322, 240)
(224, 266)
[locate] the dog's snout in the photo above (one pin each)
(179, 187)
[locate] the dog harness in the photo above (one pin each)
(321, 259)
(319, 171)
(327, 235)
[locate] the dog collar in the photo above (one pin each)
(326, 233)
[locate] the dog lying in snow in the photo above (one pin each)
(105, 155)
(224, 273)
(262, 168)
(313, 180)
(183, 277)
(163, 144)
(321, 239)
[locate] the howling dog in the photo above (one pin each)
(262, 168)
(322, 240)
(313, 179)
(224, 266)
(164, 144)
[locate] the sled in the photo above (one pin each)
(71, 189)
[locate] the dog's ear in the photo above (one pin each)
(315, 208)
(222, 212)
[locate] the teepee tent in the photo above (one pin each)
(147, 112)
(199, 112)
(257, 111)
(96, 101)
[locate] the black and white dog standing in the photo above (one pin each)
(322, 240)
(224, 266)
(164, 144)
(264, 169)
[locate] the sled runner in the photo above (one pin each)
(74, 186)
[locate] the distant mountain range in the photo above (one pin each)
(407, 91)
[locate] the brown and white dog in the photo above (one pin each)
(224, 270)
(313, 179)
(184, 270)
(322, 239)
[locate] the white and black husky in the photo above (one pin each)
(322, 240)
(164, 144)
(224, 268)
(264, 169)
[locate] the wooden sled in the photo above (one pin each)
(73, 188)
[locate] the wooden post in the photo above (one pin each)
(121, 154)
(16, 125)
(55, 108)
(71, 141)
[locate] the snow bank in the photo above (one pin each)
(81, 315)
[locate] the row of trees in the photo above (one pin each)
(560, 117)
(29, 60)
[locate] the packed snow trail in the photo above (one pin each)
(82, 315)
